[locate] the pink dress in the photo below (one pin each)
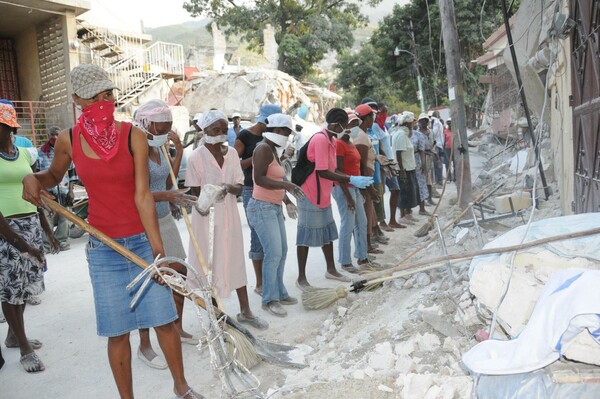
(229, 267)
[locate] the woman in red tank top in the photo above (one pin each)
(112, 161)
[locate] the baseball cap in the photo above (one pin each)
(8, 116)
(370, 102)
(363, 110)
(280, 120)
(88, 80)
(352, 116)
(236, 115)
(266, 111)
(423, 116)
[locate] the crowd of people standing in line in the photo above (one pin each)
(355, 154)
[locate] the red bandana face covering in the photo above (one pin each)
(97, 123)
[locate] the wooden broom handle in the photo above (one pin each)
(109, 242)
(188, 224)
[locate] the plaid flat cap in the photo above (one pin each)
(88, 80)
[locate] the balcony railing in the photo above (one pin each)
(35, 117)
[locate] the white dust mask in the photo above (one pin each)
(215, 139)
(158, 140)
(276, 139)
(354, 132)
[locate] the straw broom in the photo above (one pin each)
(324, 297)
(239, 344)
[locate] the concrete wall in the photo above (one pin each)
(28, 65)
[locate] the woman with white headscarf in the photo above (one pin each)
(217, 164)
(155, 119)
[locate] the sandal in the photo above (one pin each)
(189, 394)
(33, 300)
(32, 363)
(34, 343)
(350, 269)
(275, 308)
(374, 250)
(253, 321)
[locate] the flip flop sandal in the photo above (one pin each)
(32, 363)
(34, 343)
(254, 321)
(189, 394)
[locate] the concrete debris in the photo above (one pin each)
(462, 236)
(520, 200)
(385, 388)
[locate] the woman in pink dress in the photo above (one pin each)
(217, 164)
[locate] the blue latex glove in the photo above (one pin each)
(361, 181)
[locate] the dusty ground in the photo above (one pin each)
(403, 340)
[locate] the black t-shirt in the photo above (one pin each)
(250, 140)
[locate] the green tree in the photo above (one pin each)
(394, 54)
(305, 30)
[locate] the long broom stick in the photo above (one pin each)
(245, 352)
(324, 297)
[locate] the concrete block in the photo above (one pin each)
(428, 342)
(379, 361)
(462, 235)
(416, 385)
(520, 200)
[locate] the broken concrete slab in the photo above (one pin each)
(520, 200)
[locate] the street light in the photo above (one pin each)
(397, 52)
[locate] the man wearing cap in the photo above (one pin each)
(244, 145)
(234, 131)
(111, 158)
(45, 157)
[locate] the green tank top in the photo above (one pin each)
(11, 184)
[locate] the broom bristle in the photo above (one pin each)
(321, 298)
(422, 232)
(246, 353)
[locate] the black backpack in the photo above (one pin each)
(304, 167)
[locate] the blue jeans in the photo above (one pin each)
(267, 220)
(256, 249)
(351, 222)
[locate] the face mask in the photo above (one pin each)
(215, 139)
(158, 140)
(354, 132)
(279, 151)
(277, 139)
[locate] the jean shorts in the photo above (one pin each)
(110, 273)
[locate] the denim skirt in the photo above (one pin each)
(110, 273)
(316, 226)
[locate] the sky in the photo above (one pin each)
(127, 14)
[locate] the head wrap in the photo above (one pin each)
(423, 116)
(210, 117)
(409, 117)
(337, 115)
(153, 111)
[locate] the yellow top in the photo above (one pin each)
(11, 184)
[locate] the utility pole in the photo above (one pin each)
(416, 62)
(456, 96)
